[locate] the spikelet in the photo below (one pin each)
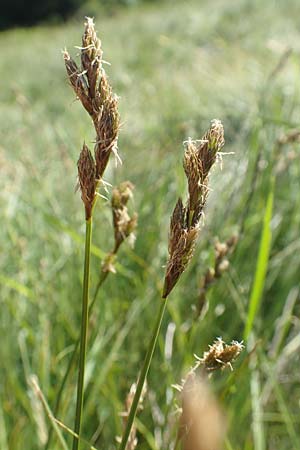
(124, 224)
(78, 82)
(91, 56)
(87, 179)
(221, 265)
(199, 157)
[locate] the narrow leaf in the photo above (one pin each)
(262, 264)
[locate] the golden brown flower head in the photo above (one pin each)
(87, 179)
(221, 355)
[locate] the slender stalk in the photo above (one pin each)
(83, 335)
(143, 375)
(177, 443)
(101, 280)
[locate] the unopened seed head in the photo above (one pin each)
(87, 179)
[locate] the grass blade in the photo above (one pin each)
(262, 264)
(16, 286)
(34, 383)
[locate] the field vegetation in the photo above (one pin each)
(175, 66)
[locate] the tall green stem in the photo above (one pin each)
(143, 375)
(83, 335)
(101, 280)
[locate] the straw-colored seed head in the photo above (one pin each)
(91, 55)
(124, 224)
(194, 172)
(202, 425)
(87, 179)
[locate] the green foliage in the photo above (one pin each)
(175, 68)
(262, 263)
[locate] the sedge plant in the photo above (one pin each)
(91, 86)
(185, 225)
(124, 226)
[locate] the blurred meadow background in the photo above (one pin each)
(175, 65)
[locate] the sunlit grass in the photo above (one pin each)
(175, 68)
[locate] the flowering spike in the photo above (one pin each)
(87, 179)
(199, 157)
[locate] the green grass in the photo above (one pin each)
(176, 66)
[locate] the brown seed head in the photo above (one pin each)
(78, 82)
(181, 255)
(199, 157)
(107, 128)
(87, 179)
(221, 355)
(93, 89)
